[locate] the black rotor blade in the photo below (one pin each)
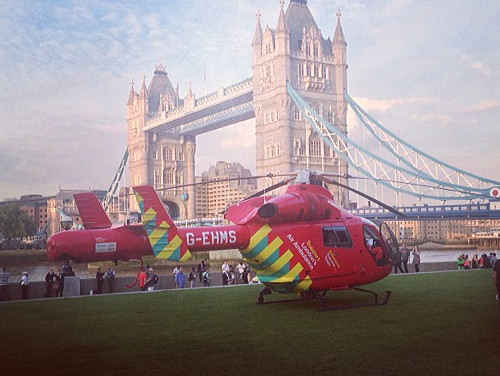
(380, 203)
(271, 188)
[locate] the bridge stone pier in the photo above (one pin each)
(162, 127)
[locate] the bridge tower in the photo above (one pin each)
(316, 67)
(163, 159)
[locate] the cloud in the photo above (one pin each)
(240, 136)
(482, 68)
(486, 105)
(384, 105)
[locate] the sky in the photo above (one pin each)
(428, 70)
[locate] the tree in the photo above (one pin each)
(15, 223)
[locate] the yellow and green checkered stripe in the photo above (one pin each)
(275, 268)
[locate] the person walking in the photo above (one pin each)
(416, 259)
(397, 263)
(405, 256)
(25, 283)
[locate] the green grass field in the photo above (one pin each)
(444, 323)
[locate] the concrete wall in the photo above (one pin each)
(75, 286)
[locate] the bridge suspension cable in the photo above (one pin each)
(108, 198)
(405, 169)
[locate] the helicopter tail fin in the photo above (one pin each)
(160, 228)
(91, 211)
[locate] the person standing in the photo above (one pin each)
(56, 284)
(201, 267)
(192, 278)
(49, 283)
(397, 263)
(61, 283)
(416, 259)
(496, 279)
(175, 273)
(110, 277)
(99, 277)
(151, 280)
(4, 284)
(405, 256)
(25, 283)
(142, 279)
(206, 278)
(241, 270)
(180, 278)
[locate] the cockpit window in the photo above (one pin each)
(371, 237)
(337, 236)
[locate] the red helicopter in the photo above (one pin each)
(297, 242)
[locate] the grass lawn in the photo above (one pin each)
(443, 323)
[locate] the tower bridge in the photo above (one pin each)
(228, 105)
(299, 99)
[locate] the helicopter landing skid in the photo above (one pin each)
(268, 291)
(376, 302)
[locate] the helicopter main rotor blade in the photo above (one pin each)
(380, 203)
(271, 188)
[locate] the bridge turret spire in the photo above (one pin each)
(144, 91)
(281, 20)
(257, 37)
(338, 36)
(131, 95)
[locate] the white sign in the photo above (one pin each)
(105, 247)
(494, 205)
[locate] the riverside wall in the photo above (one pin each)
(76, 286)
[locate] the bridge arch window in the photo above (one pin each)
(308, 70)
(297, 115)
(299, 146)
(308, 49)
(324, 72)
(316, 50)
(301, 69)
(168, 177)
(330, 116)
(315, 147)
(272, 149)
(316, 70)
(168, 153)
(137, 179)
(157, 178)
(269, 71)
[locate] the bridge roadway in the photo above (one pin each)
(454, 211)
(228, 105)
(424, 212)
